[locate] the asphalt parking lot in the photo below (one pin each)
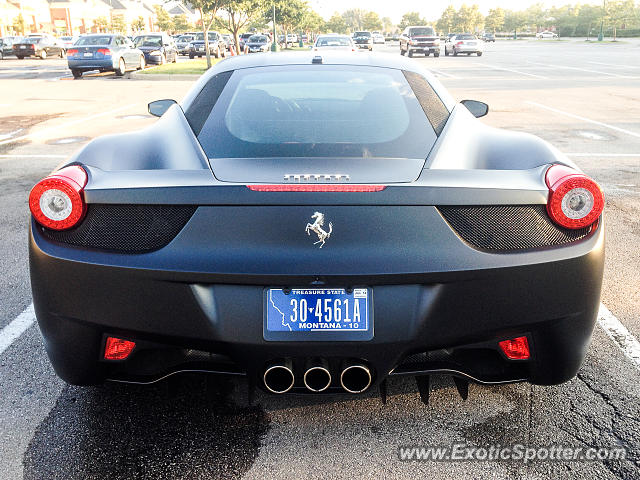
(582, 97)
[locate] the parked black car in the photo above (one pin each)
(6, 46)
(363, 40)
(158, 48)
(488, 37)
(182, 44)
(41, 46)
(217, 47)
(419, 39)
(243, 39)
(258, 43)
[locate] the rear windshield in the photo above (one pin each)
(258, 39)
(421, 31)
(210, 35)
(32, 40)
(316, 111)
(465, 37)
(148, 41)
(333, 42)
(97, 40)
(362, 34)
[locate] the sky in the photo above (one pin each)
(431, 10)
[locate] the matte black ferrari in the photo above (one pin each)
(317, 224)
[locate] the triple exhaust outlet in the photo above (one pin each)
(279, 377)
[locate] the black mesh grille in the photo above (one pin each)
(126, 228)
(509, 227)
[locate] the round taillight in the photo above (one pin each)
(575, 200)
(57, 201)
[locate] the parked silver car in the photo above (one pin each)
(463, 43)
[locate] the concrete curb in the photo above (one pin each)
(163, 76)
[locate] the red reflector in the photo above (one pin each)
(316, 188)
(117, 348)
(105, 51)
(516, 348)
(72, 51)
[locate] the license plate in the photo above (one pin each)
(471, 43)
(88, 54)
(320, 314)
(22, 46)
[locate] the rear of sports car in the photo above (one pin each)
(317, 228)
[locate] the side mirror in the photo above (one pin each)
(477, 109)
(158, 107)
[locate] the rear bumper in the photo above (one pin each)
(208, 314)
(90, 64)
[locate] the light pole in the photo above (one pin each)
(604, 9)
(274, 43)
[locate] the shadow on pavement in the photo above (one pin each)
(184, 428)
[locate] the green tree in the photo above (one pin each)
(387, 25)
(163, 19)
(447, 20)
(118, 24)
(180, 23)
(514, 21)
(619, 13)
(19, 25)
(208, 9)
(236, 15)
(336, 24)
(411, 18)
(536, 16)
(289, 15)
(101, 24)
(312, 23)
(371, 21)
(138, 24)
(354, 18)
(495, 20)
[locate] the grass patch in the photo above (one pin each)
(185, 67)
(289, 49)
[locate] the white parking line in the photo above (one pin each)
(512, 71)
(33, 156)
(440, 72)
(632, 155)
(68, 124)
(619, 334)
(614, 65)
(17, 327)
(584, 119)
(580, 69)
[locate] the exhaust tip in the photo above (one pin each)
(355, 378)
(278, 378)
(317, 379)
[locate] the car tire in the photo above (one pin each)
(76, 73)
(446, 52)
(436, 54)
(1, 55)
(401, 50)
(410, 53)
(426, 54)
(43, 54)
(217, 53)
(479, 54)
(19, 57)
(122, 67)
(191, 55)
(142, 63)
(455, 53)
